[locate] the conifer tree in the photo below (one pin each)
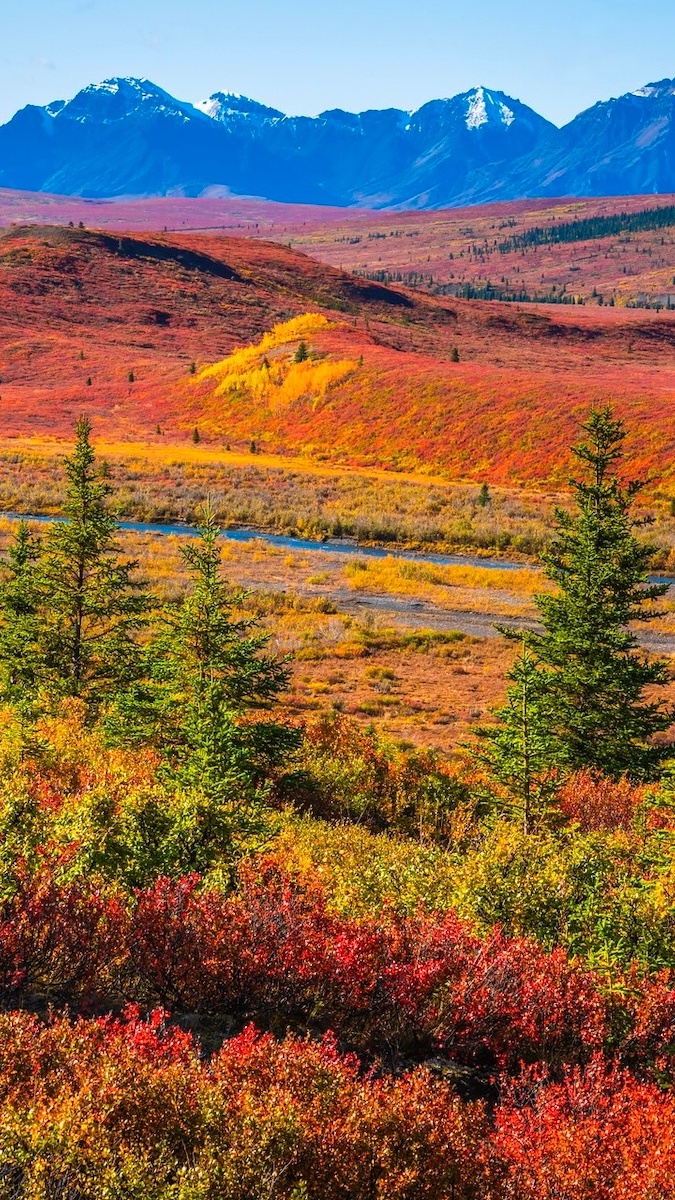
(517, 751)
(211, 677)
(600, 717)
(93, 606)
(21, 649)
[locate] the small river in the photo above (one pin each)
(330, 546)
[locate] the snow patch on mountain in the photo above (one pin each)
(476, 113)
(211, 108)
(144, 89)
(223, 105)
(107, 85)
(482, 105)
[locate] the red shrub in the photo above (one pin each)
(63, 942)
(599, 803)
(82, 1101)
(598, 1134)
(273, 953)
(516, 1003)
(651, 1042)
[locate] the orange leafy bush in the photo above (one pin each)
(600, 803)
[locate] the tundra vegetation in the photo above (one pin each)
(247, 954)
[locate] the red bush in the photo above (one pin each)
(273, 953)
(599, 1133)
(81, 1102)
(650, 1045)
(63, 942)
(599, 803)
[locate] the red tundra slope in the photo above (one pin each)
(452, 247)
(112, 323)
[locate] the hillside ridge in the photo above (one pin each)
(156, 335)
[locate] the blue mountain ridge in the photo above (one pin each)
(129, 137)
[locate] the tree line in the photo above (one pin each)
(77, 623)
(589, 228)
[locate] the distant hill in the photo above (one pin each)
(148, 332)
(599, 251)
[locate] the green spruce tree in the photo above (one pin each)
(21, 645)
(517, 750)
(93, 606)
(600, 715)
(212, 678)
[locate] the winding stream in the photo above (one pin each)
(329, 546)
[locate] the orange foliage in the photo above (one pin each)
(94, 1103)
(598, 1134)
(481, 418)
(600, 803)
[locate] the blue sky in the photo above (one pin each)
(304, 57)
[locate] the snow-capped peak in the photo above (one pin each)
(482, 105)
(112, 86)
(119, 98)
(222, 105)
(476, 113)
(664, 87)
(143, 88)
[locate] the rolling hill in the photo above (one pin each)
(474, 250)
(151, 331)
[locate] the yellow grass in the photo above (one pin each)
(268, 373)
(279, 336)
(431, 581)
(172, 454)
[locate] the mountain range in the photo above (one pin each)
(129, 137)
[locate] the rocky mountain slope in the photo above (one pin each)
(128, 137)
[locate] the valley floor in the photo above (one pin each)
(409, 647)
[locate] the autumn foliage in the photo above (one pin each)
(111, 1105)
(266, 1036)
(272, 953)
(241, 959)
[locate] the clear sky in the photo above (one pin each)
(559, 57)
